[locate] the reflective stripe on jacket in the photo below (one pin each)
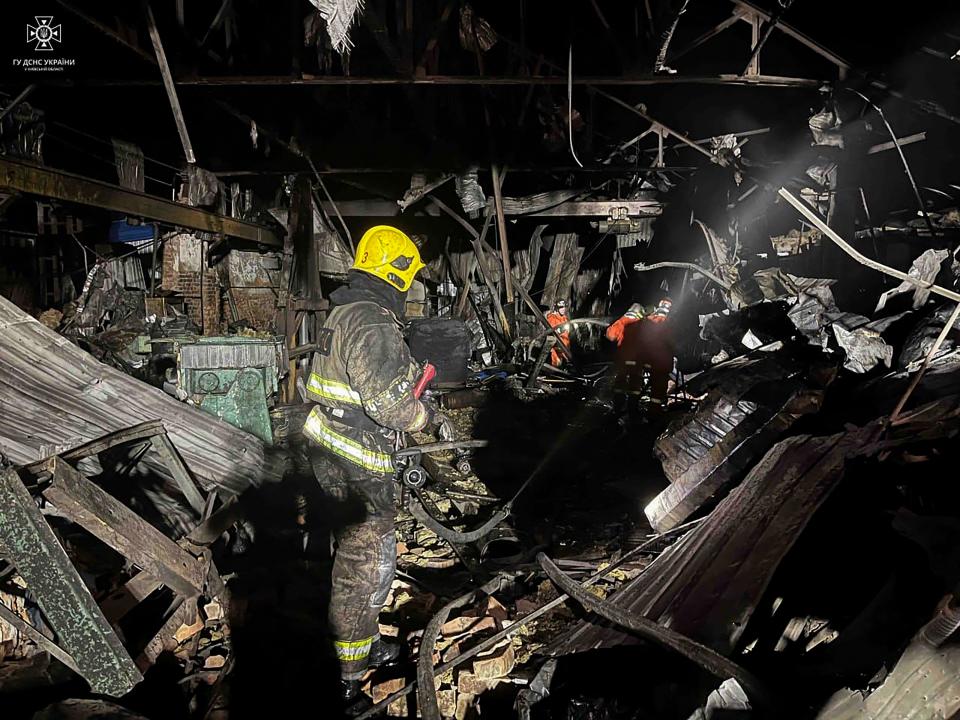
(363, 365)
(319, 429)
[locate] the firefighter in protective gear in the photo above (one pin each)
(362, 380)
(646, 345)
(632, 315)
(556, 318)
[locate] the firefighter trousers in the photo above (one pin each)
(365, 556)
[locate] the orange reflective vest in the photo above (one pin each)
(555, 319)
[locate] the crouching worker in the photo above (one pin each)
(645, 346)
(625, 366)
(362, 379)
(556, 318)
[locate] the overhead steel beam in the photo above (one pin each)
(484, 80)
(813, 45)
(571, 208)
(599, 209)
(45, 182)
(540, 169)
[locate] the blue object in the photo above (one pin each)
(123, 232)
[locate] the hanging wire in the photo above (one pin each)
(570, 105)
(109, 143)
(903, 159)
(101, 158)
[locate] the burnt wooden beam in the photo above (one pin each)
(108, 31)
(570, 208)
(502, 231)
(465, 80)
(41, 561)
(86, 504)
(168, 84)
(46, 182)
(178, 469)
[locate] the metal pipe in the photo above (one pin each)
(903, 159)
(643, 267)
(169, 85)
(710, 660)
(948, 326)
(818, 222)
(429, 708)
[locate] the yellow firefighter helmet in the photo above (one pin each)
(389, 254)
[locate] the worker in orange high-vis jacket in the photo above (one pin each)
(632, 315)
(645, 345)
(556, 318)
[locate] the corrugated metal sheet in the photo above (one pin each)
(235, 353)
(54, 396)
(707, 585)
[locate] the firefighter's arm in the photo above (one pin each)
(383, 373)
(615, 331)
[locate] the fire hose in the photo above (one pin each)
(413, 476)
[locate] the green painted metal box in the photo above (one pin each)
(234, 378)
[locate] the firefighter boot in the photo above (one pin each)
(384, 653)
(354, 702)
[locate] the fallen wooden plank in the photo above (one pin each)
(83, 502)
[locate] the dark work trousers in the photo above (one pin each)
(365, 557)
(646, 346)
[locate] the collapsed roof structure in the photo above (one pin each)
(181, 190)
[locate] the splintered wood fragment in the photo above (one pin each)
(185, 632)
(502, 232)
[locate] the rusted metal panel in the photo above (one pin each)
(84, 503)
(40, 560)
